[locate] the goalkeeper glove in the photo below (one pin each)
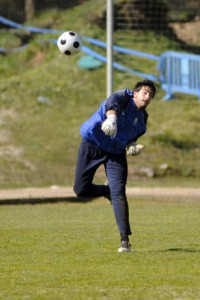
(109, 126)
(134, 149)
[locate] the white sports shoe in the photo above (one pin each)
(125, 247)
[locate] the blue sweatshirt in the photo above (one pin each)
(131, 123)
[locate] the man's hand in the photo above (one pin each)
(109, 126)
(134, 149)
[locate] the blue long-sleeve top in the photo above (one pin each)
(131, 123)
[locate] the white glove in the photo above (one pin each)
(109, 126)
(134, 149)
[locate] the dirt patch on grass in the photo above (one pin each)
(38, 59)
(66, 194)
(188, 32)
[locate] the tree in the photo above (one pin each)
(29, 9)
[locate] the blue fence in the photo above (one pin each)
(179, 72)
(86, 49)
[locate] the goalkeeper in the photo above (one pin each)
(107, 137)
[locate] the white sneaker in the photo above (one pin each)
(125, 247)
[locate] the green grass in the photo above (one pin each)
(39, 142)
(69, 251)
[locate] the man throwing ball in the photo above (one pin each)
(108, 136)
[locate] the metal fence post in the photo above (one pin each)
(109, 47)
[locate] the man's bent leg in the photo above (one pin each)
(90, 157)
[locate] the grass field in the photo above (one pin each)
(69, 251)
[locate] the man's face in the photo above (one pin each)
(143, 97)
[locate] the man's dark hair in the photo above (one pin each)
(148, 83)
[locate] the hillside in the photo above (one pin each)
(45, 97)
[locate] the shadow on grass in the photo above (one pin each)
(180, 250)
(185, 250)
(45, 200)
(176, 250)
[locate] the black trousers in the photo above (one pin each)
(90, 157)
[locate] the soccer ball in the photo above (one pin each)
(69, 43)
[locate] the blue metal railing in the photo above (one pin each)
(86, 49)
(179, 72)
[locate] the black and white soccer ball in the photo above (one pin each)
(69, 43)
